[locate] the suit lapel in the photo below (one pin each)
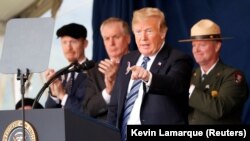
(126, 77)
(196, 78)
(160, 60)
(77, 82)
(215, 75)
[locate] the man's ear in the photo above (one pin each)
(128, 38)
(218, 46)
(86, 42)
(163, 33)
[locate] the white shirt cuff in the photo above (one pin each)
(149, 80)
(65, 97)
(191, 89)
(106, 96)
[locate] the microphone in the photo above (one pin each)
(87, 65)
(84, 66)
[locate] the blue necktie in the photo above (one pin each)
(131, 97)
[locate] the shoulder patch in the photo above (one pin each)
(238, 77)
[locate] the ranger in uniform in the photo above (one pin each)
(217, 91)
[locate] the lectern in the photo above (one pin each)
(60, 125)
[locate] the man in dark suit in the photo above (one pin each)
(116, 37)
(68, 90)
(152, 83)
(217, 91)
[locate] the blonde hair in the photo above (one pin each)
(147, 12)
(125, 25)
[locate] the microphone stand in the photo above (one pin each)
(23, 78)
(57, 74)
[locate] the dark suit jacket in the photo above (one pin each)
(75, 98)
(246, 112)
(224, 106)
(166, 101)
(93, 103)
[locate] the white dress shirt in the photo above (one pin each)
(135, 113)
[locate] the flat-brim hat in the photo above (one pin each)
(73, 30)
(205, 29)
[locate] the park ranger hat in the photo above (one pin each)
(205, 29)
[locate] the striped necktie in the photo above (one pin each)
(131, 97)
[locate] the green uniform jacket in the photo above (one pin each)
(219, 99)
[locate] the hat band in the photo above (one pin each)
(212, 36)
